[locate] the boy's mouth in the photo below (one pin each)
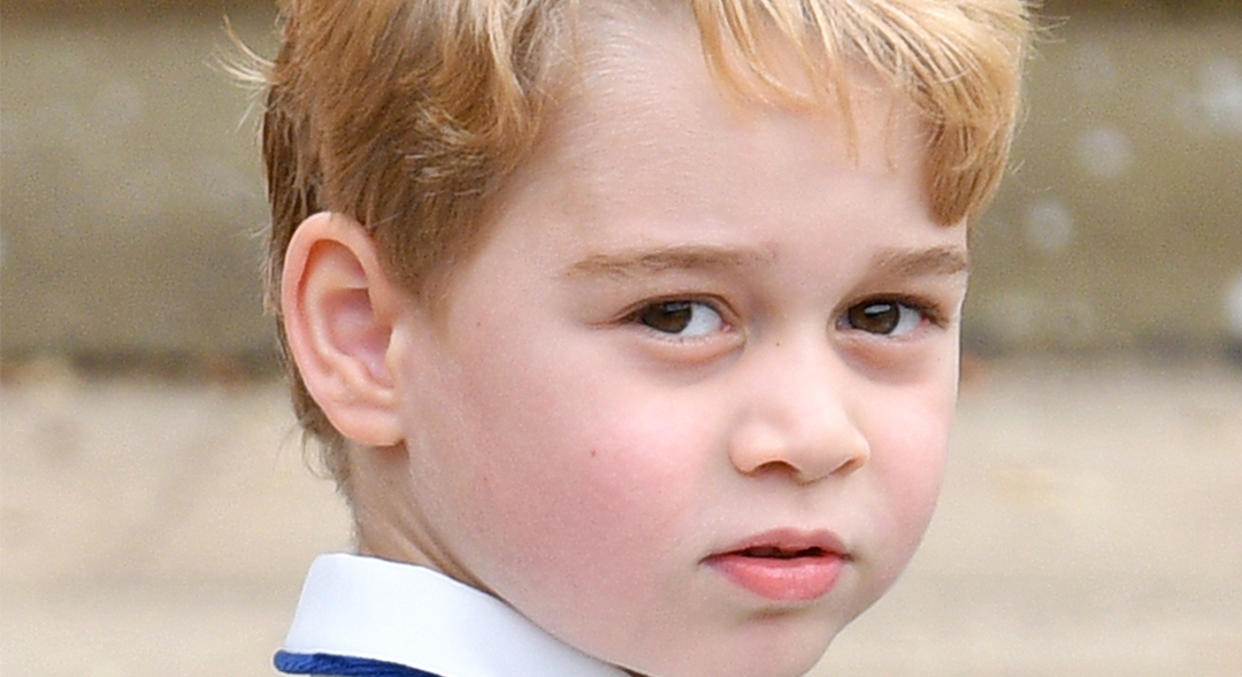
(787, 543)
(784, 565)
(773, 552)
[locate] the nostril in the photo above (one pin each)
(775, 466)
(850, 465)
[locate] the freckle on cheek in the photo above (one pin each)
(594, 453)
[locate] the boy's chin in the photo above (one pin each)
(778, 659)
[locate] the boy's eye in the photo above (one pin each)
(686, 319)
(885, 318)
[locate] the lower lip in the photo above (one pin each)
(800, 579)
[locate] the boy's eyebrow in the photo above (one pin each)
(944, 260)
(633, 262)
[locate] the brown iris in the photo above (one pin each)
(880, 317)
(671, 316)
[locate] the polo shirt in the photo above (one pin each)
(367, 616)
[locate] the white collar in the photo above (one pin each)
(401, 613)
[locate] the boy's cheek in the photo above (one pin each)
(599, 522)
(566, 461)
(629, 463)
(907, 464)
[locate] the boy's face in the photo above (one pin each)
(687, 406)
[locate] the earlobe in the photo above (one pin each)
(339, 310)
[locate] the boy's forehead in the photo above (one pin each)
(647, 133)
(653, 137)
(644, 79)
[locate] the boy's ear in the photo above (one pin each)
(339, 309)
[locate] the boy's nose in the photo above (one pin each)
(800, 424)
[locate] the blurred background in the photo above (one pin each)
(157, 513)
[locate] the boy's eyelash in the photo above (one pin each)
(635, 311)
(932, 311)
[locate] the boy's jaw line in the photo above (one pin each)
(411, 541)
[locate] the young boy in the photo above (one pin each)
(630, 328)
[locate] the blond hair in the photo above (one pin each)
(407, 114)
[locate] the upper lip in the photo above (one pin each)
(788, 542)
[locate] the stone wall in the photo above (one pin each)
(131, 195)
(1122, 222)
(132, 192)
